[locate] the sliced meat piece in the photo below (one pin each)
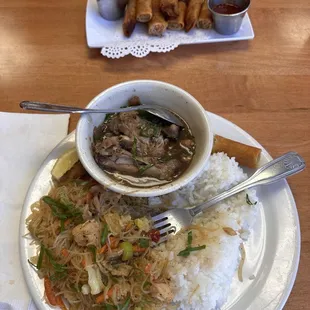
(172, 131)
(115, 255)
(129, 123)
(188, 143)
(120, 270)
(87, 234)
(124, 160)
(164, 171)
(126, 142)
(162, 292)
(151, 147)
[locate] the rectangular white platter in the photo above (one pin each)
(109, 36)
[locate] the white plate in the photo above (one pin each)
(109, 36)
(272, 250)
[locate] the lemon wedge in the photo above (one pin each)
(64, 163)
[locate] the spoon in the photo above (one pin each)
(157, 110)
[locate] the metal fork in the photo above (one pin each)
(172, 221)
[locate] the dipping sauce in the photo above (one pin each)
(227, 8)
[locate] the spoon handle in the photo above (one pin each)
(275, 170)
(56, 108)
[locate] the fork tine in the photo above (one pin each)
(163, 239)
(163, 223)
(170, 229)
(160, 216)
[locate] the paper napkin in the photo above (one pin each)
(25, 141)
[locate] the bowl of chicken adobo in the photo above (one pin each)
(139, 153)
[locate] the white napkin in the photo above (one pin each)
(25, 141)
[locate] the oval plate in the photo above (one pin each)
(273, 248)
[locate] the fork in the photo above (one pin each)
(174, 220)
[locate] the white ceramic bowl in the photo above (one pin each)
(150, 92)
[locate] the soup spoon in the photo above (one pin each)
(157, 110)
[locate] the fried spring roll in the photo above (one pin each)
(157, 25)
(244, 154)
(129, 22)
(178, 22)
(144, 11)
(192, 14)
(205, 17)
(170, 7)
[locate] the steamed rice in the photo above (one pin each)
(203, 279)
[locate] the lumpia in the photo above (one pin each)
(170, 7)
(129, 22)
(178, 22)
(205, 17)
(192, 14)
(144, 11)
(245, 155)
(157, 25)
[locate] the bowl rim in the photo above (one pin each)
(157, 190)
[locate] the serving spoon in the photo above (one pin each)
(157, 110)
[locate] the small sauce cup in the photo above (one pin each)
(227, 23)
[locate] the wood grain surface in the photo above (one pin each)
(261, 85)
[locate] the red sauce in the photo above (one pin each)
(226, 8)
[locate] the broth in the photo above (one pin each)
(142, 149)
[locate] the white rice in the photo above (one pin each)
(203, 279)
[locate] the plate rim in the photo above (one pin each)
(70, 138)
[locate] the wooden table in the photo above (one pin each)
(261, 85)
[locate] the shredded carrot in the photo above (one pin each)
(129, 226)
(84, 262)
(65, 252)
(103, 249)
(101, 298)
(89, 196)
(60, 303)
(50, 295)
(114, 242)
(137, 249)
(147, 268)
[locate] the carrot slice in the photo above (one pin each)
(101, 298)
(50, 295)
(137, 249)
(64, 252)
(147, 268)
(103, 249)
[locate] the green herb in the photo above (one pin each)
(249, 202)
(189, 247)
(134, 148)
(150, 130)
(62, 225)
(188, 250)
(40, 259)
(109, 307)
(144, 243)
(125, 305)
(61, 210)
(104, 234)
(108, 116)
(60, 270)
(94, 251)
(146, 284)
(142, 169)
(76, 287)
